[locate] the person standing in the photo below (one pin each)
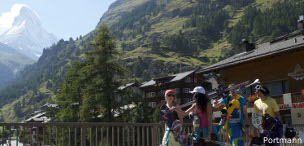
(170, 137)
(237, 117)
(269, 109)
(202, 109)
(265, 105)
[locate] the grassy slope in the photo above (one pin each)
(170, 26)
(8, 110)
(113, 14)
(166, 56)
(236, 14)
(165, 26)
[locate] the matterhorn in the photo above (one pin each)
(21, 29)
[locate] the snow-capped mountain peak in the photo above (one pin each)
(25, 31)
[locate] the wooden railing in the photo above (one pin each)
(91, 134)
(297, 97)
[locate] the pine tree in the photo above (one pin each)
(90, 89)
(69, 95)
(156, 115)
(101, 78)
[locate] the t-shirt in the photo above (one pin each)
(269, 106)
(171, 116)
(237, 116)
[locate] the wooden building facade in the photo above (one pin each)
(278, 64)
(181, 83)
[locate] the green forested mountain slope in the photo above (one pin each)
(38, 83)
(156, 38)
(11, 62)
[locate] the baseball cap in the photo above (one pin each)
(198, 89)
(169, 91)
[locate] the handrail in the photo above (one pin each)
(94, 133)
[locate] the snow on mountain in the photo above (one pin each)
(21, 28)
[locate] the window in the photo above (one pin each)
(176, 90)
(162, 92)
(277, 88)
(188, 80)
(195, 80)
(151, 94)
(152, 104)
(187, 90)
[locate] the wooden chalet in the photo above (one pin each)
(278, 64)
(154, 90)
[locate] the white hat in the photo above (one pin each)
(198, 89)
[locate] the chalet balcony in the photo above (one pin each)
(89, 134)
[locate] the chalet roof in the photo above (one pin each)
(38, 116)
(51, 105)
(125, 86)
(175, 77)
(164, 78)
(282, 44)
(149, 83)
(180, 76)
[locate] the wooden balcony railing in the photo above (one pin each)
(297, 97)
(90, 134)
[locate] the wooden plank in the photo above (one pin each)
(43, 141)
(62, 133)
(148, 136)
(107, 136)
(56, 136)
(154, 135)
(138, 136)
(31, 136)
(143, 135)
(96, 142)
(113, 135)
(118, 136)
(18, 136)
(101, 135)
(2, 133)
(83, 136)
(123, 136)
(91, 136)
(69, 136)
(134, 136)
(128, 130)
(50, 136)
(75, 138)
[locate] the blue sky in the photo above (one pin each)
(64, 18)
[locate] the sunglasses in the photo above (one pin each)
(259, 87)
(172, 95)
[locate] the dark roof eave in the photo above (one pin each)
(291, 49)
